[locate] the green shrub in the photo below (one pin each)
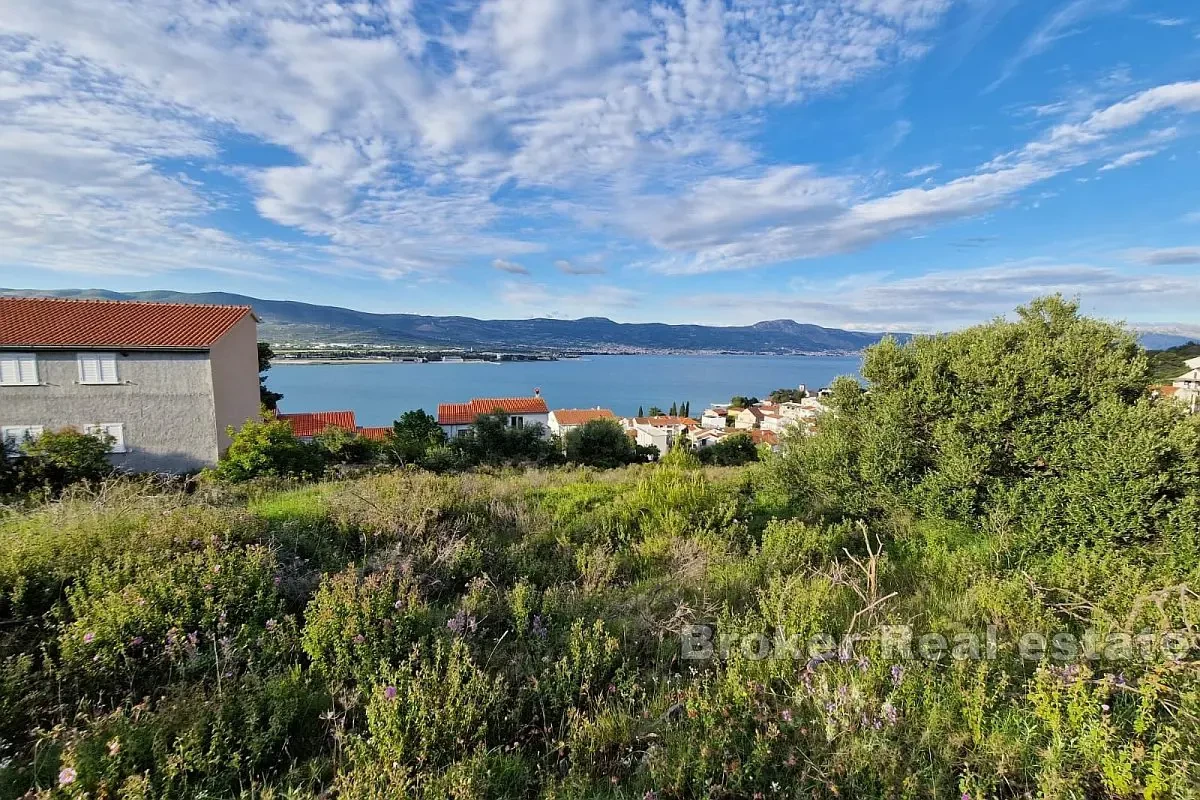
(268, 449)
(340, 446)
(600, 443)
(57, 459)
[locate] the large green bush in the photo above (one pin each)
(269, 449)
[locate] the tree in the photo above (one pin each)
(686, 409)
(732, 451)
(787, 395)
(640, 412)
(270, 400)
(674, 412)
(269, 448)
(655, 411)
(492, 440)
(413, 435)
(600, 443)
(742, 401)
(1041, 422)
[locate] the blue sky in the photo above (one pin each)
(874, 164)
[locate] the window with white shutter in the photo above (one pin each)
(18, 369)
(114, 429)
(97, 368)
(14, 436)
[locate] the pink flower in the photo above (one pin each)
(390, 693)
(89, 637)
(359, 639)
(66, 777)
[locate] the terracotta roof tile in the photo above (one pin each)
(310, 423)
(119, 324)
(465, 413)
(377, 434)
(581, 416)
(661, 422)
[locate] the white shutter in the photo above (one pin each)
(114, 429)
(97, 368)
(18, 369)
(16, 435)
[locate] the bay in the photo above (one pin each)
(378, 393)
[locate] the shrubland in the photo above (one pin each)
(516, 633)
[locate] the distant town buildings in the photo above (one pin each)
(564, 420)
(1187, 386)
(163, 380)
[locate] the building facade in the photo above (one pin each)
(522, 412)
(564, 420)
(164, 380)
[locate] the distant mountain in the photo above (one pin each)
(1164, 341)
(285, 321)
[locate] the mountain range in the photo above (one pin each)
(290, 322)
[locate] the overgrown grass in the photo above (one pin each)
(516, 635)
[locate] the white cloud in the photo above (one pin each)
(570, 268)
(788, 213)
(1166, 256)
(390, 131)
(1128, 159)
(921, 172)
(1059, 25)
(510, 267)
(939, 301)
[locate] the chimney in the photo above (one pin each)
(537, 392)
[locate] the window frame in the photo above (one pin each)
(99, 358)
(118, 445)
(26, 436)
(18, 356)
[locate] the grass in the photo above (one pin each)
(518, 635)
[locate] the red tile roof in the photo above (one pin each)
(660, 422)
(310, 423)
(377, 434)
(119, 324)
(763, 437)
(581, 416)
(465, 413)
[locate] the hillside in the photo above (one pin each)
(1168, 364)
(285, 321)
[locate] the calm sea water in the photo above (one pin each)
(378, 393)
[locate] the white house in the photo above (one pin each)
(1187, 385)
(748, 418)
(164, 380)
(522, 412)
(564, 420)
(715, 418)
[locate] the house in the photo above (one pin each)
(564, 420)
(522, 412)
(673, 424)
(707, 437)
(749, 418)
(164, 380)
(661, 432)
(376, 434)
(768, 438)
(1187, 386)
(715, 418)
(308, 424)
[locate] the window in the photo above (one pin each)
(114, 429)
(97, 368)
(516, 422)
(18, 369)
(14, 436)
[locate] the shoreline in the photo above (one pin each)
(305, 362)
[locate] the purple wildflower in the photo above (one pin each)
(66, 776)
(897, 674)
(890, 714)
(89, 637)
(137, 641)
(462, 623)
(359, 638)
(786, 715)
(537, 627)
(390, 693)
(270, 624)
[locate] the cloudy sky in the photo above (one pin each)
(903, 164)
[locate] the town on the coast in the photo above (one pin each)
(168, 386)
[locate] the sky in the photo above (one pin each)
(913, 165)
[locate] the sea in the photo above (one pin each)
(379, 393)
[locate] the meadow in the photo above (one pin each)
(530, 633)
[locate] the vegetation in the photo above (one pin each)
(787, 395)
(525, 634)
(600, 443)
(47, 465)
(732, 451)
(1166, 365)
(740, 401)
(269, 399)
